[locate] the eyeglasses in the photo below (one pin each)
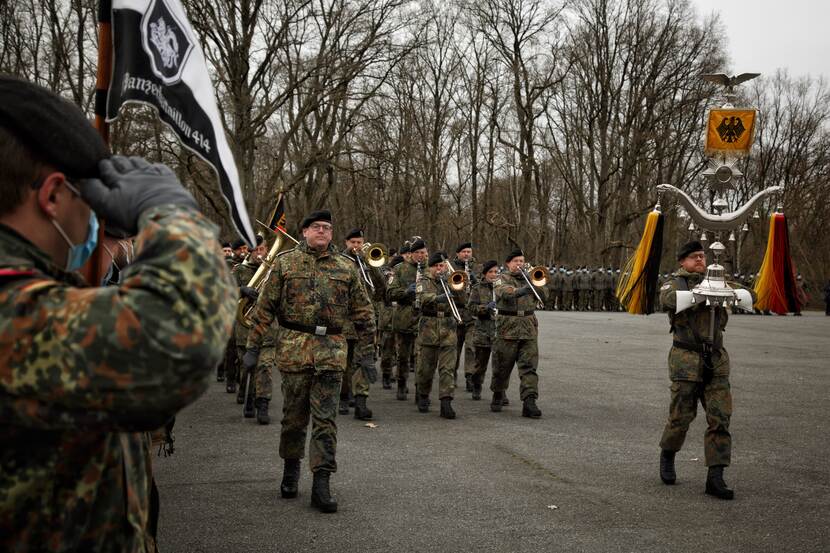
(697, 256)
(320, 227)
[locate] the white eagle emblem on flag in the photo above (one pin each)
(164, 39)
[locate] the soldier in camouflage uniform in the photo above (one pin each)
(482, 305)
(567, 290)
(357, 380)
(312, 291)
(437, 337)
(699, 371)
(401, 293)
(87, 371)
(387, 332)
(464, 262)
(243, 273)
(516, 337)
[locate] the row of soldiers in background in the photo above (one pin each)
(582, 289)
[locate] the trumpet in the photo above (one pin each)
(246, 306)
(536, 277)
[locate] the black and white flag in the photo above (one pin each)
(158, 61)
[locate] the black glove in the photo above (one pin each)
(250, 359)
(491, 305)
(411, 289)
(367, 365)
(523, 291)
(127, 188)
(248, 292)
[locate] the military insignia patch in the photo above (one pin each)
(419, 288)
(665, 287)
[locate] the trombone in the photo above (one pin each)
(538, 276)
(375, 258)
(454, 282)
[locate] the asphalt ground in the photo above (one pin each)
(584, 477)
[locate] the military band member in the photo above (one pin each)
(240, 250)
(463, 261)
(387, 331)
(357, 380)
(437, 336)
(405, 317)
(482, 305)
(246, 381)
(516, 340)
(699, 371)
(311, 293)
(86, 370)
(568, 290)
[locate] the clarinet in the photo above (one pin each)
(418, 272)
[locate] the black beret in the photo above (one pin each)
(314, 216)
(689, 247)
(55, 130)
(238, 243)
(436, 258)
(226, 244)
(417, 245)
(489, 264)
(515, 253)
(463, 246)
(354, 233)
(259, 239)
(405, 248)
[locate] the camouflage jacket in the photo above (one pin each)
(85, 371)
(567, 283)
(384, 309)
(436, 326)
(312, 289)
(511, 327)
(690, 329)
(404, 316)
(243, 273)
(376, 295)
(485, 325)
(464, 296)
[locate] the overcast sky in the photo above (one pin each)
(764, 35)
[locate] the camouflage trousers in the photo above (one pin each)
(229, 368)
(482, 357)
(463, 332)
(405, 345)
(567, 301)
(716, 399)
(522, 353)
(310, 395)
(387, 352)
(242, 375)
(354, 379)
(431, 358)
(263, 378)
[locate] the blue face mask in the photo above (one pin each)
(79, 253)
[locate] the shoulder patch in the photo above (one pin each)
(498, 282)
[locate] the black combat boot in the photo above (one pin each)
(230, 387)
(469, 382)
(402, 391)
(497, 402)
(290, 478)
(240, 395)
(361, 412)
(529, 409)
(476, 387)
(715, 485)
(220, 375)
(423, 403)
(262, 416)
(387, 381)
(320, 493)
(667, 473)
(446, 408)
(344, 405)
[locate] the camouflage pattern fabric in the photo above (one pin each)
(567, 292)
(484, 330)
(465, 329)
(481, 361)
(693, 379)
(436, 339)
(387, 352)
(516, 337)
(264, 377)
(85, 372)
(404, 317)
(310, 395)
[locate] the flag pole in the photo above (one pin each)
(93, 271)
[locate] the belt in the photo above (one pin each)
(516, 313)
(700, 348)
(435, 314)
(309, 329)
